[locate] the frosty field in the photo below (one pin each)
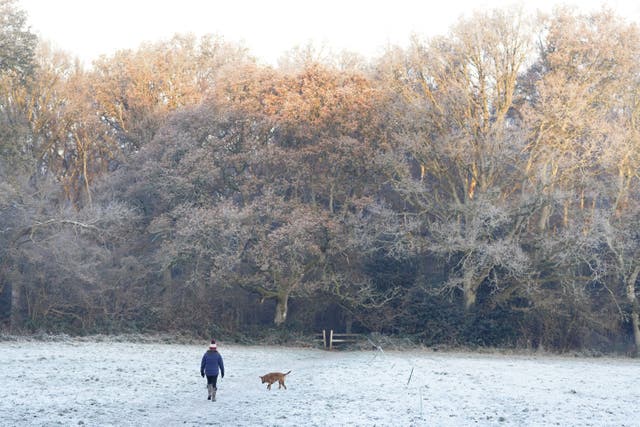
(74, 382)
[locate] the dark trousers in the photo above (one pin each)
(212, 379)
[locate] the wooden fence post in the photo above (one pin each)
(329, 338)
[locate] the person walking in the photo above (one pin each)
(211, 366)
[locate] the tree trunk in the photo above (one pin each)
(86, 179)
(635, 321)
(471, 285)
(543, 221)
(331, 192)
(470, 290)
(348, 324)
(635, 308)
(16, 320)
(281, 308)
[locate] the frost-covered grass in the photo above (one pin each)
(102, 383)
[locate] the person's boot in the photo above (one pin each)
(209, 389)
(213, 393)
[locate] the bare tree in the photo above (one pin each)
(464, 176)
(52, 253)
(17, 42)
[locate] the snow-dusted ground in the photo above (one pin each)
(112, 383)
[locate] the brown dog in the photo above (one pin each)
(273, 377)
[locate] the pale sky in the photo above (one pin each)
(89, 28)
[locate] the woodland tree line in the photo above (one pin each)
(476, 188)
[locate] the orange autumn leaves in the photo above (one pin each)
(310, 103)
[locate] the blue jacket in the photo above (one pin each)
(210, 363)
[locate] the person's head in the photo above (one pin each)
(213, 346)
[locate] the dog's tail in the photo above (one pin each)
(288, 373)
